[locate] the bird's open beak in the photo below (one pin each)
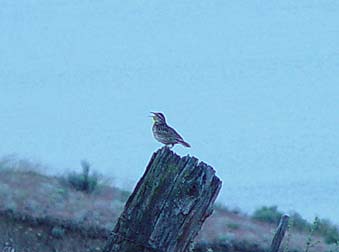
(153, 116)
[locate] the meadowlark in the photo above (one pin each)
(164, 133)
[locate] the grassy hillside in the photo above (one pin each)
(44, 213)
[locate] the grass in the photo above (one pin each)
(325, 228)
(310, 243)
(38, 237)
(85, 181)
(233, 226)
(44, 213)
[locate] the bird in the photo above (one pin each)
(164, 133)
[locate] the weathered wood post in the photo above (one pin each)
(279, 233)
(168, 206)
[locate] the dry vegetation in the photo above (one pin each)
(43, 213)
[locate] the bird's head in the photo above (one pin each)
(158, 117)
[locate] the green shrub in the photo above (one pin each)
(321, 227)
(299, 223)
(267, 214)
(329, 231)
(58, 232)
(84, 181)
(272, 215)
(233, 226)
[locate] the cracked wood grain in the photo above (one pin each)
(167, 207)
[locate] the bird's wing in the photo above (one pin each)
(173, 133)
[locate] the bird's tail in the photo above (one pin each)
(184, 143)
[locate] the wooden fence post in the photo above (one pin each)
(279, 233)
(168, 206)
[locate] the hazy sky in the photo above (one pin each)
(252, 86)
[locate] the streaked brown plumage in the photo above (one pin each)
(164, 133)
